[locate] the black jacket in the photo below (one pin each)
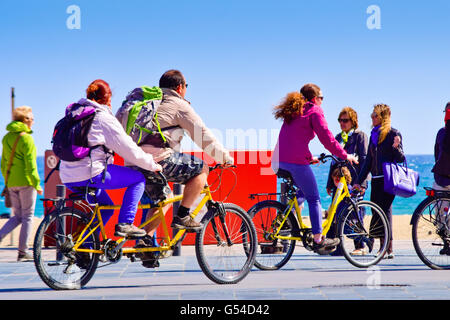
(380, 153)
(357, 145)
(441, 169)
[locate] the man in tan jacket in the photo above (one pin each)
(176, 116)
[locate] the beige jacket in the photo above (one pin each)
(175, 111)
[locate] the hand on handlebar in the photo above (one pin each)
(314, 160)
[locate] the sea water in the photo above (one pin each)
(421, 163)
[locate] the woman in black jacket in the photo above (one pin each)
(385, 145)
(354, 142)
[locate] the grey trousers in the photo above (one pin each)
(23, 200)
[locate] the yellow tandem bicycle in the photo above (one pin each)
(70, 241)
(279, 226)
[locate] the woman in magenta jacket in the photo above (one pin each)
(303, 119)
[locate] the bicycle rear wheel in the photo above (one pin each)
(272, 253)
(367, 230)
(431, 232)
(226, 245)
(57, 264)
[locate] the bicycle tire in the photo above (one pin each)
(361, 229)
(272, 254)
(426, 227)
(221, 262)
(51, 264)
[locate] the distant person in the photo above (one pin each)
(354, 142)
(441, 168)
(23, 178)
(303, 118)
(385, 145)
(176, 117)
(98, 171)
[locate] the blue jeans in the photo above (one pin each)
(305, 180)
(117, 177)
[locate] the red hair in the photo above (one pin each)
(291, 107)
(99, 91)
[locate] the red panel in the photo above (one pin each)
(253, 175)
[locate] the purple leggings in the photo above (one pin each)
(117, 177)
(304, 179)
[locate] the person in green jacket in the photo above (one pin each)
(23, 180)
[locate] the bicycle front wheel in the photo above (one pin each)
(58, 265)
(431, 232)
(364, 235)
(267, 217)
(226, 245)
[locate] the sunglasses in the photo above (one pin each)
(344, 120)
(321, 98)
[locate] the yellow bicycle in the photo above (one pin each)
(70, 241)
(358, 223)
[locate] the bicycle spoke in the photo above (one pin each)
(363, 248)
(431, 232)
(225, 247)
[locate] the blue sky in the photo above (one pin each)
(240, 58)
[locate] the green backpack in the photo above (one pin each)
(139, 117)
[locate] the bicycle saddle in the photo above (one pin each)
(284, 174)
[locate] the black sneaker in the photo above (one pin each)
(149, 259)
(325, 244)
(83, 259)
(186, 223)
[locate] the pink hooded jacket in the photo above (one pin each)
(294, 138)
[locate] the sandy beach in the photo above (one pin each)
(401, 226)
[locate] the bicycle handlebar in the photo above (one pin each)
(323, 157)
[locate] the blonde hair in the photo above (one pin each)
(21, 113)
(384, 113)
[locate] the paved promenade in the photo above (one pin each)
(306, 277)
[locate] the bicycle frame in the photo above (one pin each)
(342, 192)
(169, 243)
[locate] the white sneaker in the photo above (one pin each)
(24, 257)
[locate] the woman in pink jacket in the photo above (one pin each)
(303, 119)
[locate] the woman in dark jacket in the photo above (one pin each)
(354, 142)
(441, 169)
(385, 145)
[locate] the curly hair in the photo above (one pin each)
(384, 113)
(351, 114)
(345, 172)
(291, 107)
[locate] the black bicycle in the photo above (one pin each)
(431, 229)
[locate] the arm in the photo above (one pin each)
(325, 136)
(28, 149)
(3, 161)
(190, 121)
(117, 140)
(361, 151)
(366, 165)
(397, 149)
